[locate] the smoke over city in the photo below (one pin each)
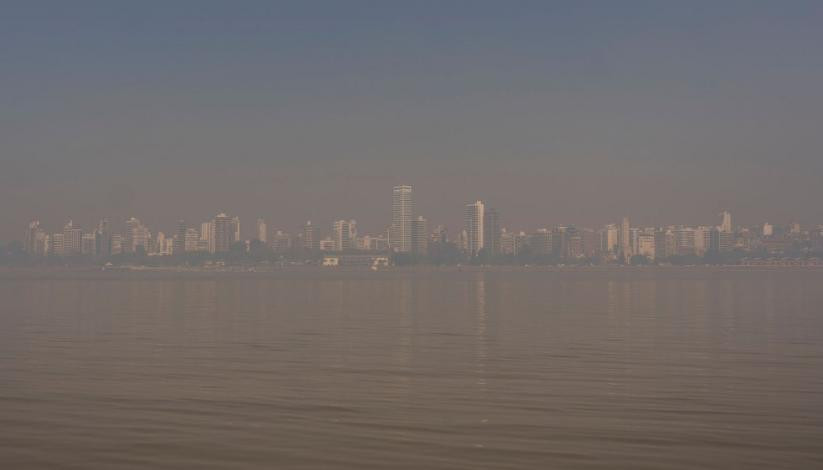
(553, 113)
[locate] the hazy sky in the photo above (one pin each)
(554, 112)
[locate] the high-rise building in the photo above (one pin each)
(560, 244)
(88, 245)
(440, 235)
(573, 241)
(725, 241)
(420, 236)
(402, 215)
(625, 240)
(137, 237)
(56, 245)
(660, 244)
(310, 238)
(235, 224)
(103, 236)
(591, 242)
(30, 236)
(167, 248)
(491, 231)
(463, 241)
(541, 242)
(180, 237)
(726, 223)
(345, 234)
(262, 231)
(684, 241)
(224, 230)
(190, 241)
(72, 239)
(611, 239)
(702, 240)
(475, 227)
(205, 243)
(281, 242)
(164, 246)
(116, 244)
(159, 244)
(508, 242)
(768, 229)
(327, 244)
(646, 245)
(41, 243)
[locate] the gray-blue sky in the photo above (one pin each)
(555, 112)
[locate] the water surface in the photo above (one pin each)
(436, 371)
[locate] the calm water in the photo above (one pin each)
(448, 371)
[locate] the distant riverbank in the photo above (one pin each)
(318, 272)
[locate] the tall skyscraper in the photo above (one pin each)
(103, 236)
(310, 239)
(224, 231)
(206, 242)
(235, 225)
(158, 244)
(474, 225)
(262, 231)
(137, 235)
(41, 243)
(31, 234)
(611, 239)
(402, 214)
(491, 231)
(420, 236)
(726, 223)
(180, 237)
(626, 240)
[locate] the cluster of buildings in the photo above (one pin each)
(481, 237)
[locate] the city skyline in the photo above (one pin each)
(482, 236)
(403, 209)
(567, 112)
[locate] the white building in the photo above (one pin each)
(726, 223)
(262, 231)
(474, 227)
(345, 234)
(402, 213)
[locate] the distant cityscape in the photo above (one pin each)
(408, 239)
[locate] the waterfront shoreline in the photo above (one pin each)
(318, 272)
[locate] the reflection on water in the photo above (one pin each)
(452, 370)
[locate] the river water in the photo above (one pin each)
(494, 370)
